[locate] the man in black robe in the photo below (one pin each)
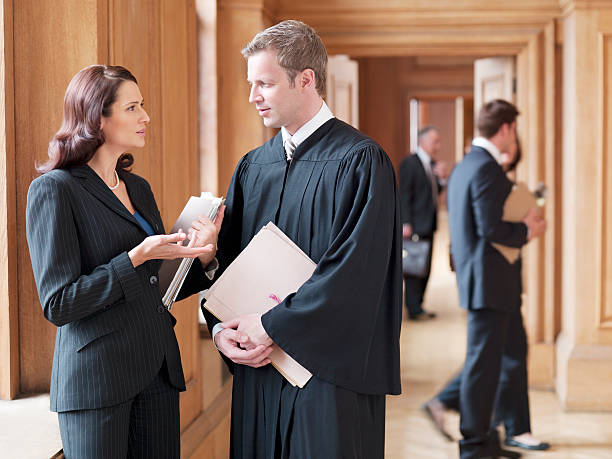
(332, 190)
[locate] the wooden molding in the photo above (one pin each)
(9, 320)
(583, 375)
(569, 6)
(604, 317)
(257, 5)
(103, 18)
(196, 433)
(440, 8)
(405, 40)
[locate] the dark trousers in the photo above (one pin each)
(414, 288)
(487, 349)
(147, 425)
(512, 399)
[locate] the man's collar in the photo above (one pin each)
(308, 128)
(489, 146)
(423, 155)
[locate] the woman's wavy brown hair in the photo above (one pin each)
(88, 98)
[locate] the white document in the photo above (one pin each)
(269, 268)
(172, 273)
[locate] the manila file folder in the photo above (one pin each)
(517, 204)
(269, 268)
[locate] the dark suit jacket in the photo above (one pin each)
(113, 331)
(476, 194)
(417, 203)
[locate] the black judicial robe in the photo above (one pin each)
(338, 201)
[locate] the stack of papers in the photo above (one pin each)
(269, 268)
(518, 203)
(172, 273)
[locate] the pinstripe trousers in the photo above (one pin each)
(146, 426)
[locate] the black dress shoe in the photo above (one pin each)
(422, 316)
(542, 446)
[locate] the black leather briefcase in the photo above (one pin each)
(416, 256)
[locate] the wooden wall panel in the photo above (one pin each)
(42, 73)
(584, 347)
(206, 11)
(180, 168)
(605, 302)
(135, 43)
(240, 128)
(442, 115)
(343, 89)
(379, 111)
(383, 81)
(158, 44)
(536, 126)
(9, 319)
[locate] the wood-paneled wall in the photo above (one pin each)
(41, 74)
(45, 43)
(386, 85)
(9, 333)
(584, 348)
(52, 41)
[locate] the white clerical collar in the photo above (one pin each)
(489, 146)
(308, 128)
(423, 156)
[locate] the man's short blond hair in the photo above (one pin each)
(298, 48)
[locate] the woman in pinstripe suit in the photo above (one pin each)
(96, 242)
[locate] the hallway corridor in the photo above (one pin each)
(432, 351)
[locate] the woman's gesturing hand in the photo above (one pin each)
(168, 247)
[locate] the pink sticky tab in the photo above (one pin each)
(272, 296)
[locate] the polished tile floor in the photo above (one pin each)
(433, 351)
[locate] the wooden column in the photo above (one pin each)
(240, 128)
(206, 11)
(9, 331)
(584, 348)
(541, 258)
(51, 42)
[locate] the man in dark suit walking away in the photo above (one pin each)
(421, 180)
(489, 286)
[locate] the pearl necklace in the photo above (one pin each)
(117, 185)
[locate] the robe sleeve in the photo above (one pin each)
(348, 313)
(406, 191)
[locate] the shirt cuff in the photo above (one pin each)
(216, 329)
(211, 269)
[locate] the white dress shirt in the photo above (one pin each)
(307, 129)
(489, 146)
(426, 161)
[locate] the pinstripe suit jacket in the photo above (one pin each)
(113, 331)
